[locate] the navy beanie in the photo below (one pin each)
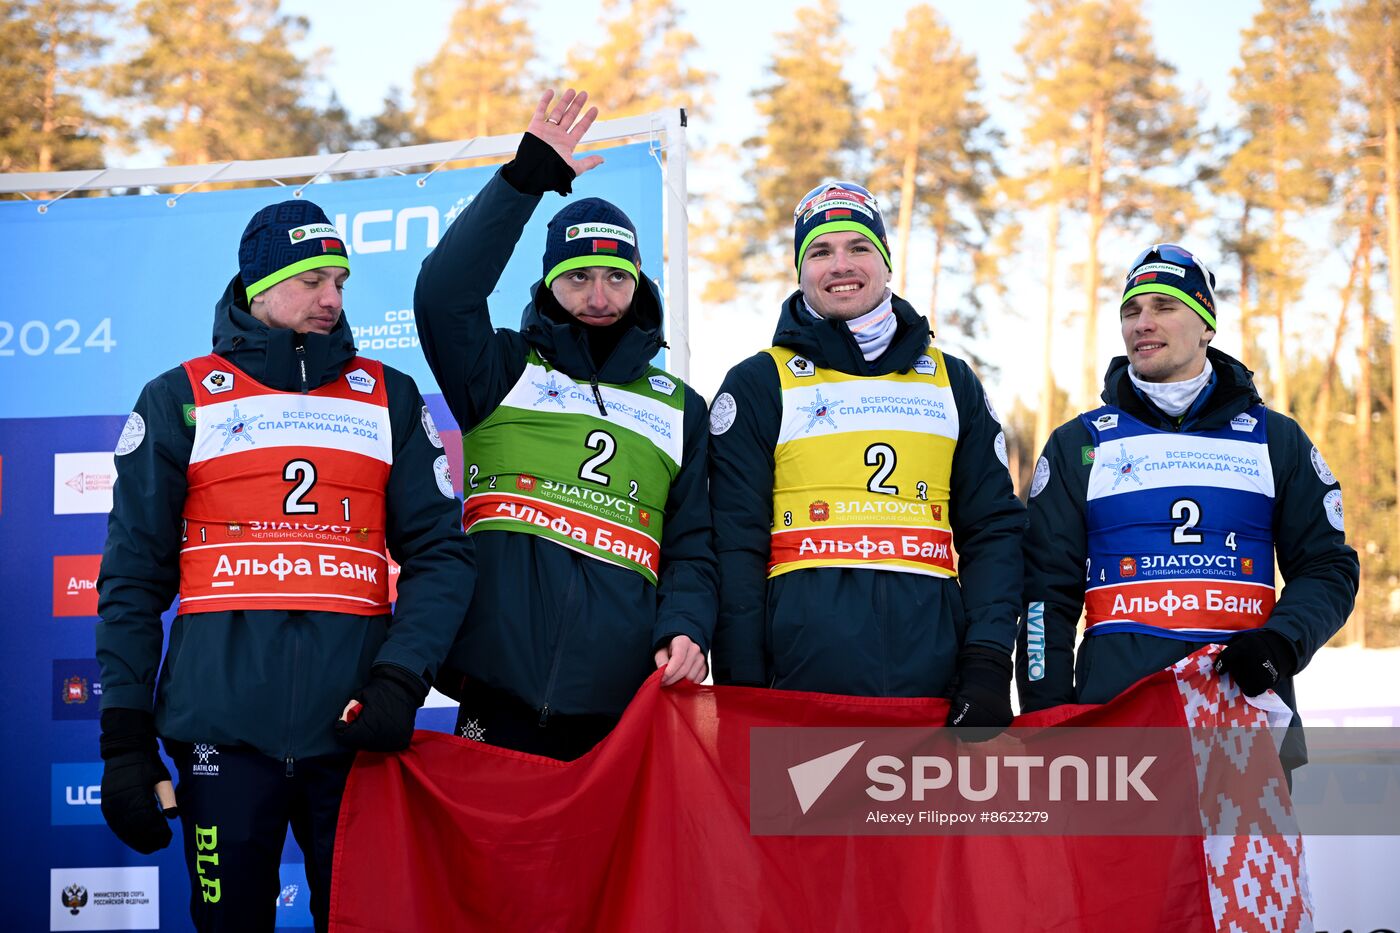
(1167, 269)
(833, 207)
(590, 232)
(284, 239)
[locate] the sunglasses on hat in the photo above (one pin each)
(818, 194)
(1170, 252)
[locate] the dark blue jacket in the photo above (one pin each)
(854, 631)
(274, 680)
(1320, 569)
(560, 631)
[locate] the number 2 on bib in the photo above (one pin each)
(606, 447)
(882, 457)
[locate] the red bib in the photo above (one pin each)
(285, 505)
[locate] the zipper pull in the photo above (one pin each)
(598, 396)
(301, 361)
(544, 715)
(290, 769)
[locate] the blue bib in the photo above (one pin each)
(1180, 528)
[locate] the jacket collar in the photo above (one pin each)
(831, 345)
(1233, 393)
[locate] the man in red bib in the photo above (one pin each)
(267, 483)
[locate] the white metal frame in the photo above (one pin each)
(664, 129)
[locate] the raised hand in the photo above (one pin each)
(563, 125)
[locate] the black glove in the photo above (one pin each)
(130, 772)
(537, 168)
(981, 704)
(389, 707)
(1257, 660)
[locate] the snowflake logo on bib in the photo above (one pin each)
(238, 428)
(1125, 467)
(550, 391)
(820, 410)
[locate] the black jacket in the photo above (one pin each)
(856, 631)
(560, 631)
(273, 680)
(1320, 569)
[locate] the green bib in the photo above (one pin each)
(549, 462)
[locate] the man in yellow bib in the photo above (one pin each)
(850, 463)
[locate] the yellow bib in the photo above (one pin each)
(861, 470)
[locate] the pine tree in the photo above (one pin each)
(931, 142)
(1047, 181)
(1371, 41)
(217, 80)
(714, 240)
(643, 63)
(1110, 129)
(49, 54)
(1242, 242)
(1358, 221)
(332, 127)
(392, 126)
(1287, 90)
(478, 83)
(1360, 183)
(810, 132)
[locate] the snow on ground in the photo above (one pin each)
(1351, 687)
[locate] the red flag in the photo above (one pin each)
(651, 831)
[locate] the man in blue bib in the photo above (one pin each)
(1159, 515)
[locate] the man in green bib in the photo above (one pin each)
(850, 462)
(584, 463)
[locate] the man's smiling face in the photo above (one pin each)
(843, 275)
(1166, 341)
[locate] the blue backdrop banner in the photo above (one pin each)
(100, 296)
